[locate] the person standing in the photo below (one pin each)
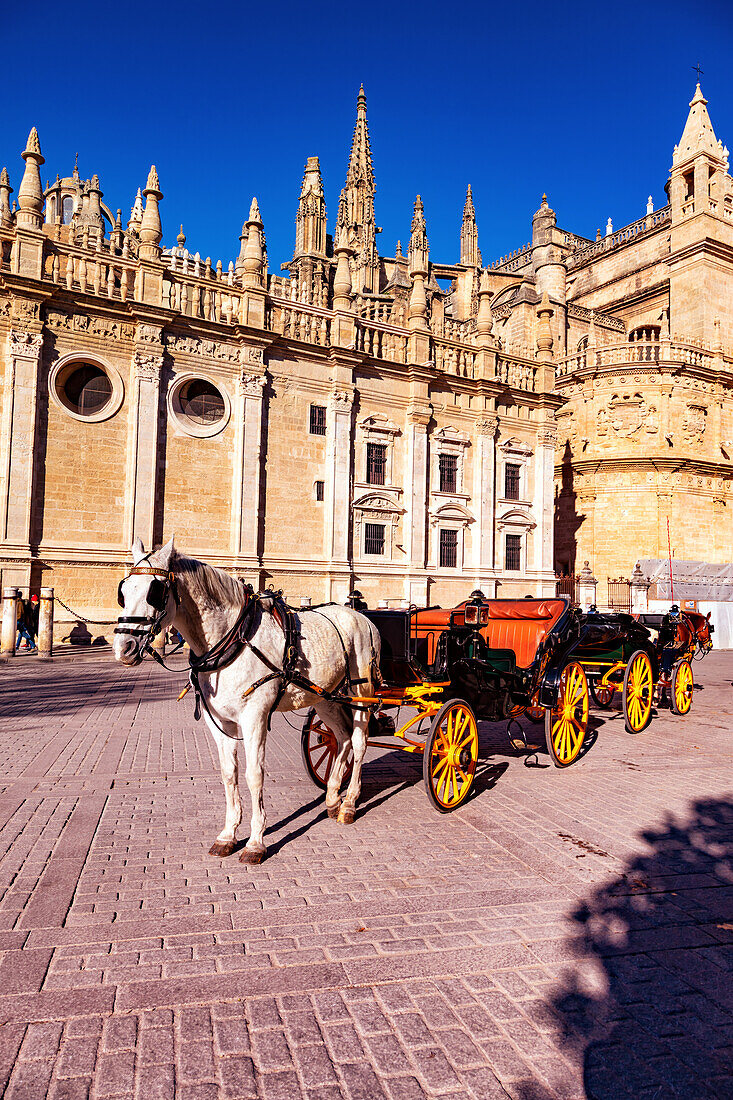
(23, 628)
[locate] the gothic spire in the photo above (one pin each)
(30, 192)
(356, 205)
(470, 255)
(698, 135)
(310, 222)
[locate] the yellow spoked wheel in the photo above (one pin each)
(638, 691)
(567, 722)
(450, 755)
(319, 749)
(682, 687)
(601, 696)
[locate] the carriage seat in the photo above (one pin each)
(520, 626)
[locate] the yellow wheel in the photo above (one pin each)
(319, 749)
(567, 722)
(683, 685)
(601, 696)
(638, 691)
(450, 755)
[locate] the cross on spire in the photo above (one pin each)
(700, 72)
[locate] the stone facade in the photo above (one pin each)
(357, 423)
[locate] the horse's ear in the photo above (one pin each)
(707, 617)
(137, 550)
(166, 553)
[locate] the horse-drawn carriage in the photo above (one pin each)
(485, 659)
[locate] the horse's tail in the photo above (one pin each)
(374, 670)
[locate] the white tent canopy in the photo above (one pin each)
(692, 580)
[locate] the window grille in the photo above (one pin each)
(511, 481)
(318, 420)
(448, 468)
(513, 552)
(319, 490)
(376, 463)
(374, 538)
(448, 549)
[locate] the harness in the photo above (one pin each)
(224, 652)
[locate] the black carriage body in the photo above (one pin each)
(610, 638)
(489, 679)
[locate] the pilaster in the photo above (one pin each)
(247, 517)
(544, 506)
(419, 414)
(484, 501)
(24, 347)
(337, 511)
(142, 440)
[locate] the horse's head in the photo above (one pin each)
(148, 602)
(702, 630)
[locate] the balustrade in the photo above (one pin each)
(629, 354)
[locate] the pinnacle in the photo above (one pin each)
(181, 238)
(4, 178)
(254, 212)
(153, 183)
(468, 208)
(33, 147)
(698, 96)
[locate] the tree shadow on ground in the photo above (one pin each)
(648, 1002)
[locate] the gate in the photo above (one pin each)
(567, 585)
(619, 595)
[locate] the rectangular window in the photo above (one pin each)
(511, 481)
(448, 549)
(514, 552)
(374, 538)
(319, 490)
(376, 464)
(448, 468)
(318, 420)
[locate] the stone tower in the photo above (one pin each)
(356, 207)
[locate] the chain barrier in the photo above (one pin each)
(94, 622)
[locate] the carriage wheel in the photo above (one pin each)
(450, 755)
(638, 692)
(683, 685)
(535, 714)
(567, 722)
(601, 696)
(319, 748)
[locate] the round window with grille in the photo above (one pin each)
(201, 402)
(87, 389)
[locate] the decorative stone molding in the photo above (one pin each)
(516, 519)
(515, 448)
(25, 309)
(626, 415)
(252, 385)
(341, 401)
(487, 425)
(97, 326)
(547, 435)
(453, 512)
(25, 344)
(255, 355)
(376, 426)
(420, 413)
(147, 368)
(149, 334)
(694, 422)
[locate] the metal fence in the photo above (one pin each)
(619, 595)
(567, 585)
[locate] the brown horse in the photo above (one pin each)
(700, 628)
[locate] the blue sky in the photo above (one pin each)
(228, 99)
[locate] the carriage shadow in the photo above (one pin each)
(646, 1002)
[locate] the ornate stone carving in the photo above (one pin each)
(255, 355)
(26, 344)
(252, 385)
(341, 401)
(487, 425)
(149, 334)
(147, 367)
(25, 309)
(627, 415)
(694, 422)
(420, 413)
(99, 326)
(547, 435)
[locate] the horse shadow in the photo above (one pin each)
(647, 1003)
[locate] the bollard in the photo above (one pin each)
(45, 624)
(10, 621)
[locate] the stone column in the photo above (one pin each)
(18, 436)
(10, 619)
(246, 504)
(337, 511)
(45, 624)
(416, 496)
(142, 454)
(639, 590)
(587, 585)
(544, 477)
(484, 502)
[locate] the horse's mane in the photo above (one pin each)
(207, 585)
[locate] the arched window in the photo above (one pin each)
(67, 210)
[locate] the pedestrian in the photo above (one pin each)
(22, 628)
(31, 609)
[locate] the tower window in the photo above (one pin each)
(448, 468)
(513, 559)
(318, 420)
(376, 463)
(319, 490)
(448, 549)
(511, 481)
(374, 538)
(67, 210)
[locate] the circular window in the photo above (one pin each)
(201, 402)
(87, 389)
(198, 406)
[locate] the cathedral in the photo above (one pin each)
(405, 426)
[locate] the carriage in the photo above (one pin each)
(645, 657)
(485, 659)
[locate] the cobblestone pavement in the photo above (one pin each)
(565, 934)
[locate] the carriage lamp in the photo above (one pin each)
(476, 614)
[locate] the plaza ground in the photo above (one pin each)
(564, 934)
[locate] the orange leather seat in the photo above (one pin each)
(520, 625)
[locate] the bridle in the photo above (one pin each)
(143, 628)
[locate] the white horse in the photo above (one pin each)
(333, 648)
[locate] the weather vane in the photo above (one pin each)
(700, 72)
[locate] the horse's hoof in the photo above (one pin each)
(222, 848)
(346, 815)
(249, 856)
(334, 811)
